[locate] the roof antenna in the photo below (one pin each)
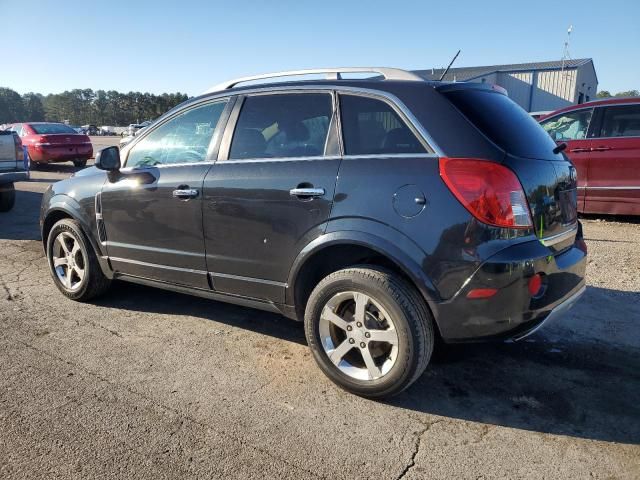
(450, 63)
(565, 54)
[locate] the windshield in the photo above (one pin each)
(51, 128)
(504, 122)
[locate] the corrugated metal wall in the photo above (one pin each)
(518, 85)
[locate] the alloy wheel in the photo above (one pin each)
(358, 335)
(69, 262)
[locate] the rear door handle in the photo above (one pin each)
(307, 192)
(185, 194)
(601, 149)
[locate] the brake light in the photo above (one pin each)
(18, 146)
(491, 192)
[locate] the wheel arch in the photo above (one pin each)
(336, 250)
(61, 207)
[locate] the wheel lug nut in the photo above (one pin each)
(351, 340)
(349, 328)
(367, 334)
(362, 345)
(358, 324)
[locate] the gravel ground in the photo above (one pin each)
(144, 383)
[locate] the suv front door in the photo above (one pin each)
(614, 162)
(152, 208)
(271, 191)
(572, 128)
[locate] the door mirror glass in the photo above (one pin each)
(108, 159)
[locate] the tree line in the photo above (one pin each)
(628, 93)
(84, 106)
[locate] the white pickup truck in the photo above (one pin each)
(13, 168)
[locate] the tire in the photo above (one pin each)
(80, 163)
(389, 301)
(92, 282)
(7, 197)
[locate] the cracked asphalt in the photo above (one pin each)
(149, 384)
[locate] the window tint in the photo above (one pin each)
(569, 126)
(371, 126)
(282, 125)
(504, 122)
(623, 121)
(51, 128)
(183, 139)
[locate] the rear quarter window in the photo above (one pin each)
(503, 122)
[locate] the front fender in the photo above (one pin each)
(70, 207)
(378, 237)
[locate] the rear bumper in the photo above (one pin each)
(61, 153)
(11, 177)
(513, 312)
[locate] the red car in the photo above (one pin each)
(54, 142)
(603, 142)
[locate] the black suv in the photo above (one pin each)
(386, 212)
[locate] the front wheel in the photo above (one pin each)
(369, 331)
(73, 263)
(7, 197)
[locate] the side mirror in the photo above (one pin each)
(108, 159)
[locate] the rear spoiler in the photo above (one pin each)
(452, 86)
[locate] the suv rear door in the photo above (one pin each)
(271, 191)
(614, 162)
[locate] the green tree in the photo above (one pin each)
(603, 94)
(34, 110)
(11, 106)
(628, 93)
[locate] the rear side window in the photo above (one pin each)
(282, 126)
(371, 127)
(623, 121)
(504, 122)
(569, 126)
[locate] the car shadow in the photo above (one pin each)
(635, 219)
(22, 222)
(134, 297)
(579, 386)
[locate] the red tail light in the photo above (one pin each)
(490, 191)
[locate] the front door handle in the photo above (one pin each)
(185, 194)
(600, 149)
(307, 192)
(579, 150)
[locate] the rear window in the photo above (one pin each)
(503, 121)
(51, 128)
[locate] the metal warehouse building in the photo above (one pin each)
(537, 86)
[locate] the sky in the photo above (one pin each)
(188, 46)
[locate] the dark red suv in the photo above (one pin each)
(603, 142)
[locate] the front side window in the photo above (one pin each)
(183, 139)
(569, 126)
(623, 121)
(282, 126)
(372, 127)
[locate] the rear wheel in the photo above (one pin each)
(7, 197)
(369, 331)
(73, 263)
(80, 163)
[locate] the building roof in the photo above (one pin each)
(462, 74)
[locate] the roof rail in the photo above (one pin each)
(331, 73)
